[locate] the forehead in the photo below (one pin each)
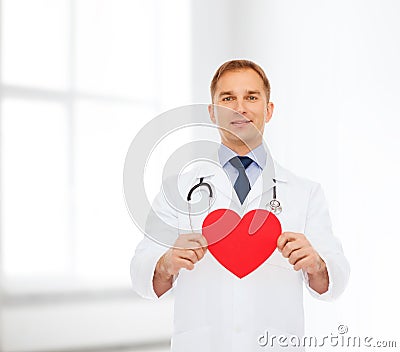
(239, 81)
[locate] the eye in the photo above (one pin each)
(252, 97)
(227, 99)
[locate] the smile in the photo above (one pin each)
(240, 122)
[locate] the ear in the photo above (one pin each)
(211, 113)
(269, 111)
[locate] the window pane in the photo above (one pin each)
(106, 236)
(35, 42)
(116, 48)
(174, 57)
(34, 188)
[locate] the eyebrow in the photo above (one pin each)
(253, 92)
(225, 93)
(232, 93)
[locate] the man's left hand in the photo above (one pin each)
(302, 255)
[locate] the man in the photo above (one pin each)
(215, 311)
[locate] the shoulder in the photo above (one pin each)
(180, 183)
(300, 191)
(293, 180)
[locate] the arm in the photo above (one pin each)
(319, 281)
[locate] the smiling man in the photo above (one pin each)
(214, 309)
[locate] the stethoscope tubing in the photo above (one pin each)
(273, 206)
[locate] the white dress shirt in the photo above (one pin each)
(253, 171)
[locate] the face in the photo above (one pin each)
(242, 124)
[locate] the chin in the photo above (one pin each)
(250, 141)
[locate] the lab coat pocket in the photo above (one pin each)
(194, 340)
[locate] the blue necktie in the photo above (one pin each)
(242, 183)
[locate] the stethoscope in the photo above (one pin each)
(274, 206)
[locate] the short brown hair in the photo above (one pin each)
(236, 65)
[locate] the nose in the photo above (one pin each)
(240, 107)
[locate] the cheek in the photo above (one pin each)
(258, 109)
(221, 120)
(261, 116)
(260, 124)
(224, 116)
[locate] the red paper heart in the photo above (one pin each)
(241, 245)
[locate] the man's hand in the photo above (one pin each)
(187, 251)
(303, 256)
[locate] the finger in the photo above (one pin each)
(284, 238)
(192, 241)
(191, 236)
(189, 254)
(199, 253)
(298, 254)
(195, 244)
(290, 247)
(185, 264)
(202, 251)
(198, 243)
(303, 264)
(184, 243)
(203, 242)
(280, 243)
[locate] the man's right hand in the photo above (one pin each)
(187, 251)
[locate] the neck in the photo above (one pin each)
(241, 149)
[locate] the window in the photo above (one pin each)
(78, 80)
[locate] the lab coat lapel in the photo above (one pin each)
(264, 182)
(213, 173)
(219, 180)
(263, 196)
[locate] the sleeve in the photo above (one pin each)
(161, 231)
(318, 230)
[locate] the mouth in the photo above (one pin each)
(241, 122)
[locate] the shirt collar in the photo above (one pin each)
(258, 155)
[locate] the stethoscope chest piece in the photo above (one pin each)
(274, 206)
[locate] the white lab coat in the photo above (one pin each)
(214, 310)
